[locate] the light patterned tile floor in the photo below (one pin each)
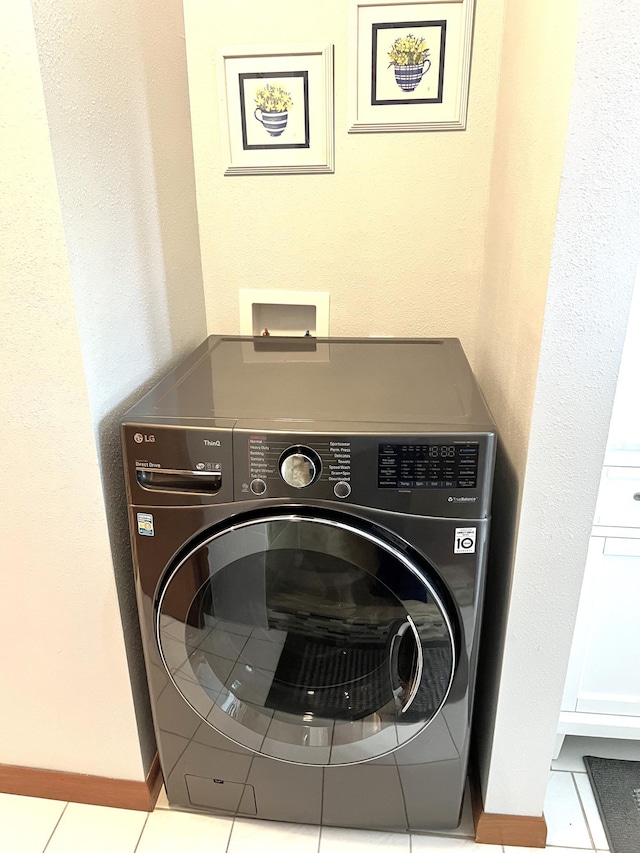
(29, 825)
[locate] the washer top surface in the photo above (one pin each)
(348, 381)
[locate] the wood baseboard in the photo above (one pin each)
(79, 788)
(508, 829)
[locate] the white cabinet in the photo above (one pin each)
(602, 690)
(619, 498)
(606, 647)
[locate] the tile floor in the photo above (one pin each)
(29, 825)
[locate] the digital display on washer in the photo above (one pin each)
(428, 466)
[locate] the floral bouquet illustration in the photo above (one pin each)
(409, 56)
(272, 104)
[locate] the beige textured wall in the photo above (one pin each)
(65, 699)
(115, 85)
(535, 92)
(396, 235)
(596, 248)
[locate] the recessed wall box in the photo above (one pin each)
(284, 313)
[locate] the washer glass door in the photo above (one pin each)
(306, 638)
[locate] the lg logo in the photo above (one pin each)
(139, 438)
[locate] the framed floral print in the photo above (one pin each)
(409, 65)
(276, 109)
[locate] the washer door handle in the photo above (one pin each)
(394, 653)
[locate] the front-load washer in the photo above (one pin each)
(309, 521)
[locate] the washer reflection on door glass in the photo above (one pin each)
(306, 640)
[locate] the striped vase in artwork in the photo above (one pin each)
(273, 122)
(408, 76)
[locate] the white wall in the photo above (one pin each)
(595, 256)
(624, 430)
(103, 291)
(396, 235)
(114, 78)
(66, 701)
(535, 90)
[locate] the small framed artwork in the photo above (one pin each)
(276, 107)
(410, 64)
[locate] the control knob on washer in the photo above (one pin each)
(342, 489)
(300, 466)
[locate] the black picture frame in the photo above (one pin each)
(407, 25)
(267, 75)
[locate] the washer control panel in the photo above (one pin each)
(412, 465)
(439, 474)
(274, 462)
(447, 475)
